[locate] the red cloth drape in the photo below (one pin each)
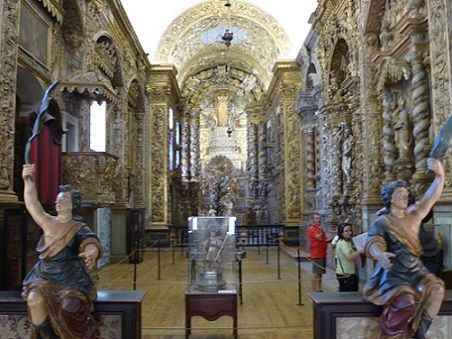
(46, 155)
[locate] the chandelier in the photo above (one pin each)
(227, 38)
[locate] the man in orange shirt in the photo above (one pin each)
(318, 246)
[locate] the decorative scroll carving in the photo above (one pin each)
(54, 9)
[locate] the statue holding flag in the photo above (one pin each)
(58, 289)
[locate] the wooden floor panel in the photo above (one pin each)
(270, 305)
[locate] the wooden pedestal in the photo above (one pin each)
(210, 307)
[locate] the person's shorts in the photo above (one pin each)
(318, 265)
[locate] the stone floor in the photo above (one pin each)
(270, 306)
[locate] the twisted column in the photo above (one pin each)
(335, 160)
(185, 141)
(310, 152)
(389, 149)
(252, 165)
(421, 117)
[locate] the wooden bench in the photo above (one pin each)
(118, 313)
(340, 314)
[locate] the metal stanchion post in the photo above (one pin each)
(266, 250)
(135, 268)
(158, 259)
(172, 251)
(278, 261)
(299, 278)
(258, 242)
(182, 239)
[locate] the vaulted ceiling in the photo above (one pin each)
(193, 43)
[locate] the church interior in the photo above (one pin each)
(219, 121)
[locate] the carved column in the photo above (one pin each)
(370, 120)
(421, 119)
(124, 148)
(357, 165)
(262, 170)
(252, 165)
(194, 147)
(139, 150)
(310, 167)
(158, 163)
(139, 164)
(389, 149)
(289, 77)
(185, 140)
(9, 32)
(164, 94)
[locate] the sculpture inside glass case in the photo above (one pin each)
(212, 255)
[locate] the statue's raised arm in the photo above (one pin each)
(31, 200)
(434, 191)
(58, 289)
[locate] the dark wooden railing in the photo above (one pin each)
(249, 235)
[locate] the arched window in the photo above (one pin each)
(171, 139)
(97, 122)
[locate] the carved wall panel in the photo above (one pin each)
(158, 166)
(403, 78)
(440, 16)
(8, 59)
(293, 157)
(94, 174)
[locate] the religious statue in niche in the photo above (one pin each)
(346, 156)
(403, 130)
(335, 92)
(228, 205)
(222, 110)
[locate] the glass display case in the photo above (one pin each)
(212, 255)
